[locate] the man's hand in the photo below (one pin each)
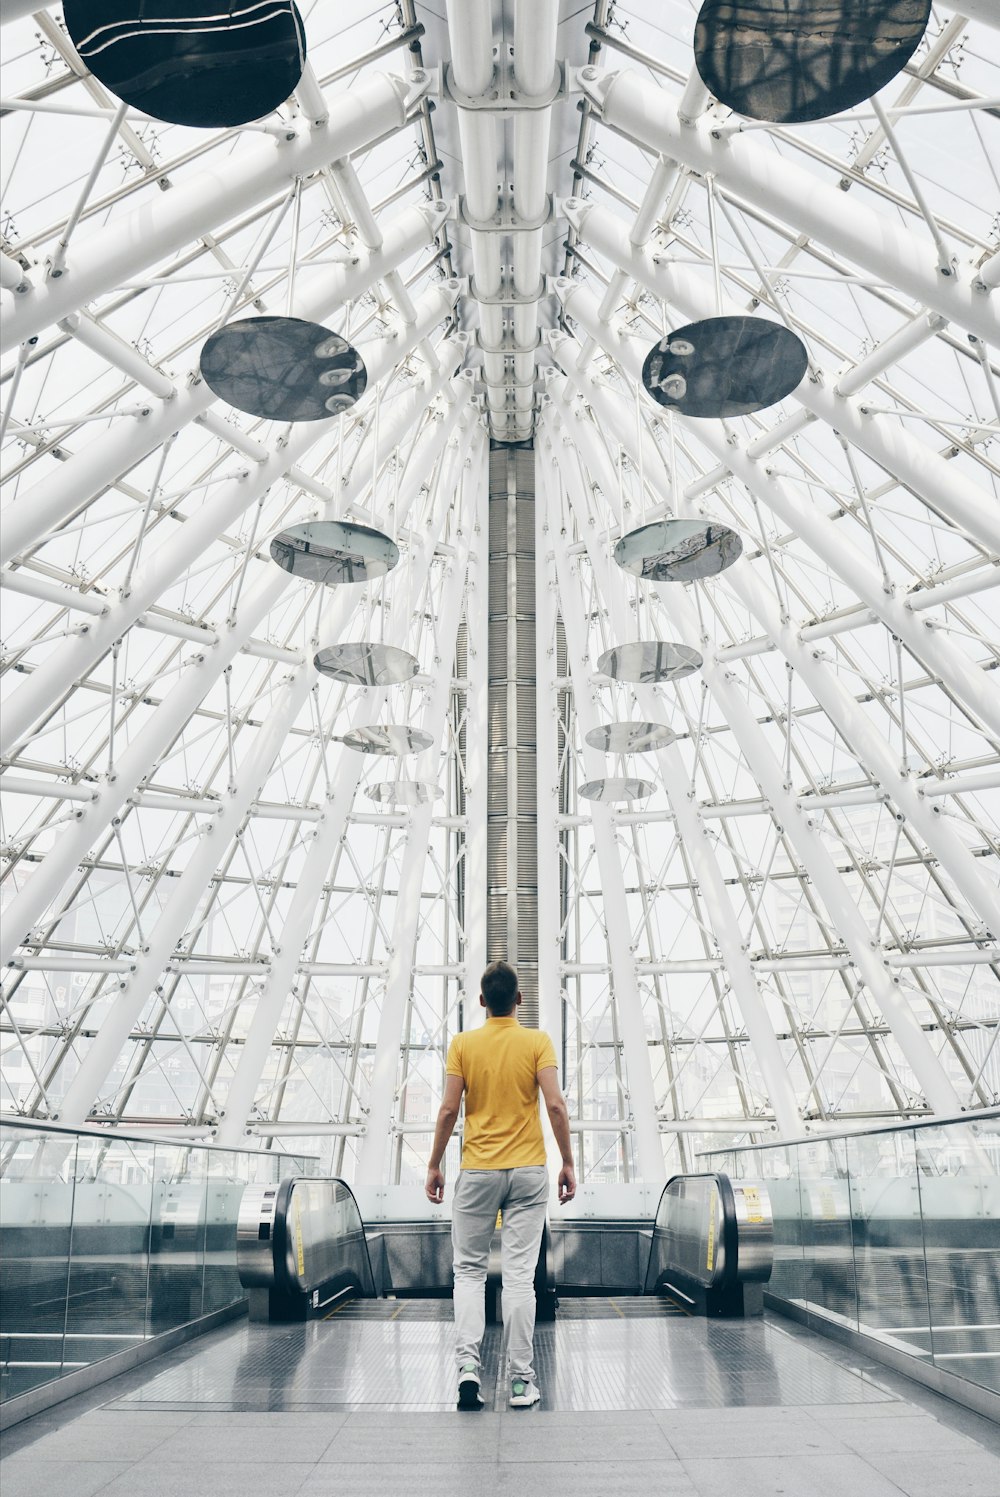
(434, 1186)
(567, 1184)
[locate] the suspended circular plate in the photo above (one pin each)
(404, 792)
(678, 550)
(333, 552)
(200, 62)
(616, 789)
(363, 663)
(647, 660)
(630, 738)
(394, 739)
(724, 366)
(283, 369)
(788, 61)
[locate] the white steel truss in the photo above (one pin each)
(208, 924)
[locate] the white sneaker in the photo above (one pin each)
(522, 1393)
(469, 1386)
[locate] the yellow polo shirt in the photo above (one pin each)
(499, 1064)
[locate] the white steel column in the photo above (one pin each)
(168, 221)
(641, 1096)
(477, 738)
(42, 508)
(694, 834)
(869, 745)
(399, 977)
(790, 817)
(139, 759)
(939, 483)
(68, 665)
(190, 888)
(196, 878)
(878, 242)
(800, 513)
(549, 871)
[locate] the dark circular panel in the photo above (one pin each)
(192, 62)
(283, 369)
(647, 660)
(394, 739)
(788, 61)
(364, 663)
(404, 792)
(630, 738)
(724, 366)
(678, 550)
(331, 551)
(616, 789)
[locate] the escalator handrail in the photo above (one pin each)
(729, 1276)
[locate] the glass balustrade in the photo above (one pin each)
(893, 1233)
(107, 1240)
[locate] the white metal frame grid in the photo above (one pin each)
(203, 926)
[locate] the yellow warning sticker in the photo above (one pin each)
(499, 1220)
(710, 1255)
(300, 1257)
(751, 1196)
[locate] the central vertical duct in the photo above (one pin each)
(512, 829)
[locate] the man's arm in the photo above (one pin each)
(555, 1105)
(447, 1117)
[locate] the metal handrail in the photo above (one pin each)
(111, 1134)
(981, 1114)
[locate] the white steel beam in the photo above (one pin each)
(139, 759)
(804, 517)
(641, 1095)
(845, 917)
(715, 895)
(399, 978)
(876, 242)
(70, 664)
(825, 395)
(43, 507)
(167, 222)
(477, 739)
(869, 745)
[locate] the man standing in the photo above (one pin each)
(501, 1068)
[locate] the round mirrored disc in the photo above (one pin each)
(647, 660)
(616, 789)
(283, 369)
(404, 792)
(630, 738)
(724, 366)
(678, 550)
(788, 61)
(210, 65)
(394, 738)
(332, 552)
(362, 663)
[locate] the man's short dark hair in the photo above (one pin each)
(499, 989)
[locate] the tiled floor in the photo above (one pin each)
(360, 1407)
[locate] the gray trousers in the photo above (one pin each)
(522, 1195)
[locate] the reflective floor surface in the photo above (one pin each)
(362, 1404)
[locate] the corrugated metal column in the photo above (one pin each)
(512, 831)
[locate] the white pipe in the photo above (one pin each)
(717, 901)
(399, 977)
(868, 743)
(57, 674)
(477, 739)
(146, 750)
(844, 915)
(168, 221)
(641, 1102)
(896, 346)
(41, 509)
(876, 242)
(936, 481)
(802, 516)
